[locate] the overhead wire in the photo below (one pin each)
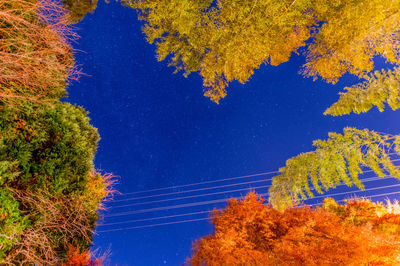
(207, 218)
(370, 197)
(199, 183)
(369, 179)
(177, 206)
(211, 201)
(213, 193)
(208, 188)
(188, 197)
(154, 218)
(193, 190)
(151, 225)
(201, 212)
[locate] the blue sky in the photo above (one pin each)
(157, 130)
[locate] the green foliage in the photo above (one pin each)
(335, 160)
(49, 192)
(51, 146)
(46, 161)
(12, 222)
(79, 8)
(378, 89)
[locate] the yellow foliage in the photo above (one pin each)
(378, 89)
(352, 34)
(228, 41)
(97, 189)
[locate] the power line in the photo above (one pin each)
(154, 218)
(192, 190)
(201, 212)
(207, 202)
(206, 188)
(371, 196)
(152, 225)
(188, 197)
(203, 219)
(200, 203)
(172, 207)
(354, 191)
(199, 183)
(214, 193)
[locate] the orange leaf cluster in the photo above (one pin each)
(250, 233)
(77, 258)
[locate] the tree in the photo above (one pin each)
(248, 232)
(335, 160)
(49, 191)
(228, 40)
(48, 146)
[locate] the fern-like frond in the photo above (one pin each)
(338, 159)
(379, 89)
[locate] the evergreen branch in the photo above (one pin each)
(335, 160)
(379, 89)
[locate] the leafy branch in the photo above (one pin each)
(335, 160)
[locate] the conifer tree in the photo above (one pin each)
(49, 194)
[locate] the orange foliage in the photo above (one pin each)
(77, 258)
(98, 189)
(35, 57)
(250, 233)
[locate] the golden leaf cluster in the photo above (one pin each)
(228, 40)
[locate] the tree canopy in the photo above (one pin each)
(50, 193)
(247, 232)
(228, 40)
(46, 155)
(47, 145)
